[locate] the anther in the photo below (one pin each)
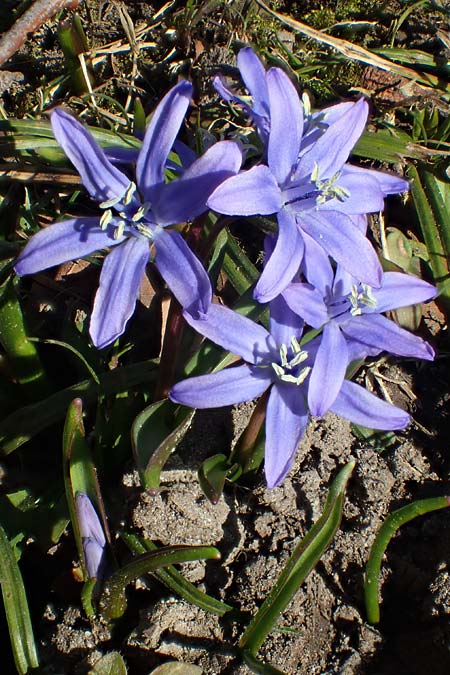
(128, 196)
(120, 227)
(106, 219)
(140, 213)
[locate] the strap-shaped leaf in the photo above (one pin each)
(395, 520)
(305, 556)
(16, 609)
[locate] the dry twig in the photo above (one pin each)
(35, 16)
(357, 53)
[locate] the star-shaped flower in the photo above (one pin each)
(135, 216)
(353, 326)
(310, 186)
(278, 361)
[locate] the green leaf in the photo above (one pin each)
(27, 137)
(384, 536)
(73, 41)
(155, 434)
(110, 664)
(25, 423)
(431, 197)
(212, 475)
(113, 601)
(174, 580)
(177, 668)
(139, 121)
(259, 667)
(411, 56)
(386, 145)
(380, 440)
(238, 268)
(79, 471)
(16, 609)
(305, 556)
(20, 351)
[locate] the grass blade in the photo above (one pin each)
(356, 52)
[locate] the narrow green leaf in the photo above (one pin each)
(25, 423)
(238, 268)
(431, 199)
(113, 601)
(386, 145)
(28, 137)
(71, 348)
(384, 535)
(16, 609)
(73, 41)
(20, 351)
(259, 667)
(139, 121)
(380, 440)
(174, 580)
(305, 556)
(79, 470)
(412, 56)
(155, 434)
(212, 475)
(110, 664)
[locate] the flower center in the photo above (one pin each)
(125, 218)
(327, 188)
(289, 370)
(361, 295)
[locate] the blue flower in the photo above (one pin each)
(254, 76)
(258, 108)
(135, 216)
(275, 360)
(353, 327)
(310, 186)
(92, 535)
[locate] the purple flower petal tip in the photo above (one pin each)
(92, 535)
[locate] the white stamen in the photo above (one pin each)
(364, 297)
(315, 173)
(282, 370)
(306, 104)
(140, 213)
(106, 219)
(128, 196)
(120, 227)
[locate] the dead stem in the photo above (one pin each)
(36, 15)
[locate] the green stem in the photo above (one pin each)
(385, 534)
